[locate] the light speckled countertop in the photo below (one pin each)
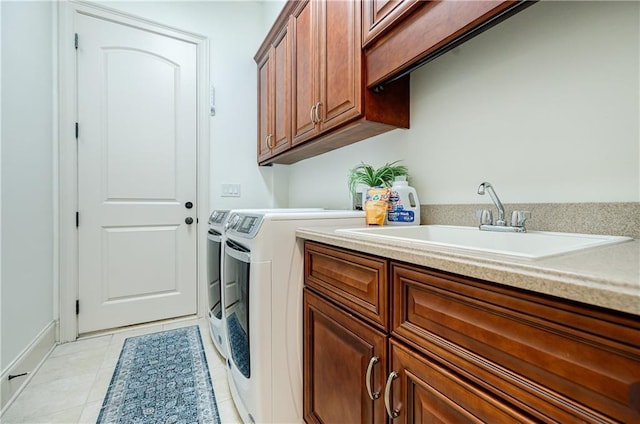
(607, 276)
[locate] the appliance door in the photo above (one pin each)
(237, 260)
(214, 262)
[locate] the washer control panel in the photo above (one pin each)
(244, 224)
(218, 216)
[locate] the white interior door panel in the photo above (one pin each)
(136, 171)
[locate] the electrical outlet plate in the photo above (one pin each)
(230, 190)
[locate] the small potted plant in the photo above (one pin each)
(364, 176)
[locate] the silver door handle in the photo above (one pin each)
(372, 362)
(393, 414)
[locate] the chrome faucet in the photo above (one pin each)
(488, 187)
(518, 218)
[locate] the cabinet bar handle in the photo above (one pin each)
(393, 414)
(372, 362)
(312, 115)
(269, 141)
(317, 111)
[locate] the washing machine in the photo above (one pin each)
(215, 242)
(263, 280)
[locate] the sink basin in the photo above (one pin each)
(531, 245)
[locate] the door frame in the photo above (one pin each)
(68, 160)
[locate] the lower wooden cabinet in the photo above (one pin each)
(458, 350)
(340, 354)
(422, 390)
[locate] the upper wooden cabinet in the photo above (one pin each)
(329, 106)
(432, 28)
(274, 98)
(378, 16)
(327, 66)
(333, 72)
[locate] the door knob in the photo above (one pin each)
(189, 220)
(188, 205)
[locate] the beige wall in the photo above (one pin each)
(28, 139)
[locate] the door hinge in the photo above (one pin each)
(75, 40)
(77, 307)
(77, 219)
(77, 130)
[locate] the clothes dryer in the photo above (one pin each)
(215, 242)
(263, 280)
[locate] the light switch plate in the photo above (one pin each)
(230, 190)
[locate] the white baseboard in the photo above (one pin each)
(29, 360)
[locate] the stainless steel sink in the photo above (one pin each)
(532, 244)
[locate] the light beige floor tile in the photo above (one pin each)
(204, 329)
(228, 412)
(100, 385)
(81, 344)
(90, 412)
(222, 391)
(48, 399)
(71, 415)
(111, 356)
(182, 323)
(64, 366)
(215, 362)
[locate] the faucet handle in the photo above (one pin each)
(485, 215)
(518, 218)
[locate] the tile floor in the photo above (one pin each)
(71, 384)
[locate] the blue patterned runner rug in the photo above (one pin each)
(161, 378)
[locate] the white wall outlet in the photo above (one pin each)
(230, 190)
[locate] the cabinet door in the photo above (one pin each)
(425, 391)
(280, 94)
(340, 62)
(274, 129)
(338, 350)
(305, 93)
(264, 108)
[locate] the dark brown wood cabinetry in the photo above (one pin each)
(332, 72)
(329, 105)
(427, 391)
(432, 28)
(460, 349)
(327, 67)
(358, 281)
(342, 354)
(274, 98)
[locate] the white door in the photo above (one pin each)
(136, 175)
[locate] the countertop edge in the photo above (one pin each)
(580, 287)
